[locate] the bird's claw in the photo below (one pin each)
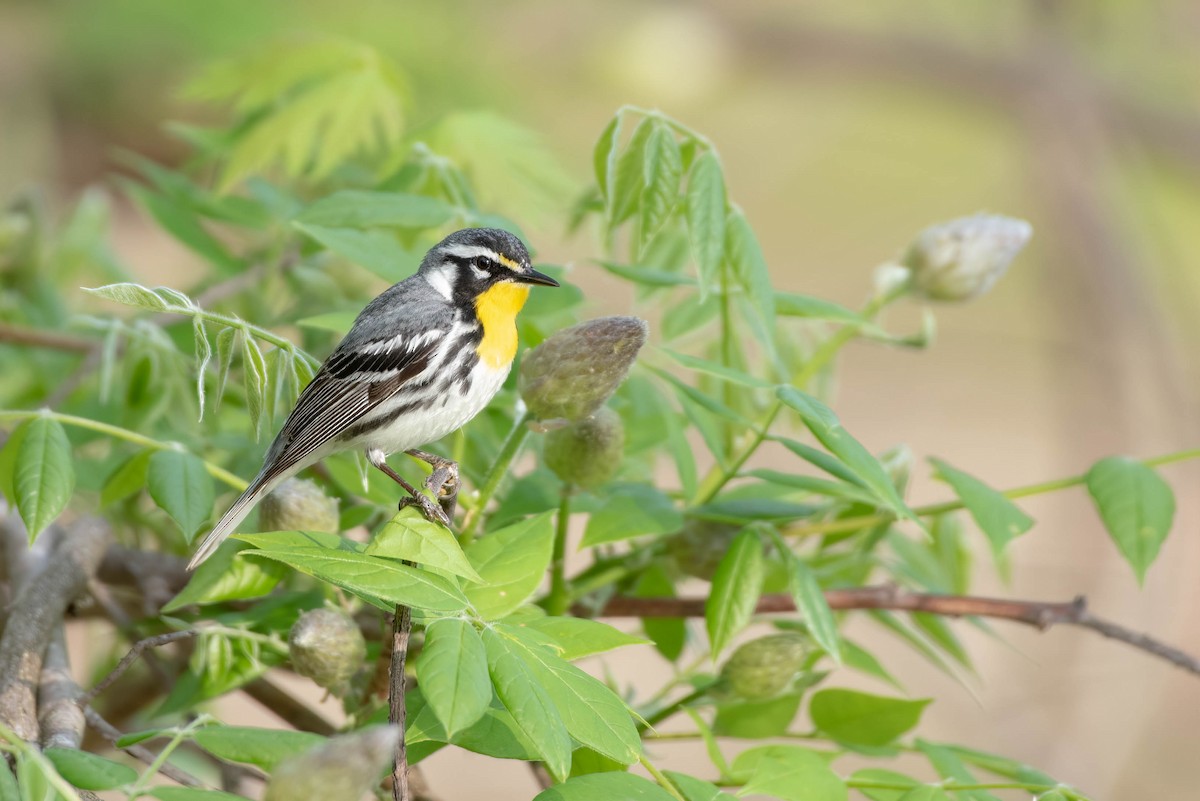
(443, 481)
(430, 508)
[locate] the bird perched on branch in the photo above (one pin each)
(421, 360)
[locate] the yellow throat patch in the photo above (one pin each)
(497, 311)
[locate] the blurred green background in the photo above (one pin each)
(845, 128)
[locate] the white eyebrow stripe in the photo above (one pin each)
(471, 251)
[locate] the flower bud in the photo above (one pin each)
(345, 767)
(298, 505)
(327, 647)
(891, 278)
(574, 372)
(588, 452)
(765, 667)
(698, 548)
(961, 259)
(897, 461)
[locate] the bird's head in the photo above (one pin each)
(473, 262)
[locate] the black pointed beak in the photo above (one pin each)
(534, 277)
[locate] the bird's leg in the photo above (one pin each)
(443, 481)
(429, 507)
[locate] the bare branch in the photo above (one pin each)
(295, 712)
(1041, 615)
(397, 713)
(40, 338)
(112, 734)
(60, 718)
(134, 652)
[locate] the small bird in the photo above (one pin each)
(420, 361)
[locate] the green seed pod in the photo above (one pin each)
(345, 767)
(698, 548)
(963, 258)
(298, 505)
(327, 647)
(574, 372)
(765, 667)
(588, 452)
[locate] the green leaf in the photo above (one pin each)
(604, 155)
(749, 267)
(192, 794)
(225, 577)
(641, 512)
(662, 168)
(519, 686)
(824, 461)
(668, 633)
(44, 474)
(592, 714)
(226, 345)
(754, 720)
(9, 790)
(126, 480)
(790, 304)
(130, 294)
(264, 748)
(706, 213)
(862, 660)
(879, 775)
(88, 771)
(647, 276)
(810, 600)
(826, 427)
(687, 315)
(1002, 766)
(254, 368)
(381, 582)
(735, 589)
(337, 322)
(578, 637)
(694, 789)
(180, 484)
(628, 176)
(409, 535)
(453, 671)
(512, 563)
(1137, 508)
(858, 718)
(183, 224)
(789, 773)
(998, 518)
(376, 250)
(718, 370)
(840, 490)
(203, 355)
(611, 786)
(354, 208)
(949, 766)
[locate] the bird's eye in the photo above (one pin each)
(481, 263)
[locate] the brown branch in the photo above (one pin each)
(40, 338)
(59, 716)
(1041, 615)
(127, 661)
(397, 713)
(296, 713)
(38, 609)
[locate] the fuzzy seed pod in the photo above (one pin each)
(346, 767)
(298, 505)
(698, 548)
(963, 258)
(327, 647)
(574, 372)
(588, 452)
(764, 668)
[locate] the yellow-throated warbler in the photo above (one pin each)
(420, 361)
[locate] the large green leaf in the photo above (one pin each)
(998, 518)
(127, 479)
(265, 748)
(789, 773)
(662, 167)
(757, 719)
(226, 577)
(44, 475)
(512, 563)
(382, 582)
(694, 789)
(826, 427)
(627, 177)
(736, 587)
(640, 511)
(354, 208)
(860, 718)
(810, 600)
(749, 268)
(409, 535)
(377, 250)
(180, 484)
(578, 637)
(88, 771)
(790, 304)
(611, 786)
(949, 766)
(593, 715)
(667, 633)
(519, 686)
(1137, 508)
(706, 211)
(168, 793)
(453, 672)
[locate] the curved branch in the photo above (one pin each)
(1039, 614)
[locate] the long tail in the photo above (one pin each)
(259, 487)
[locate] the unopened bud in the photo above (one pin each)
(588, 452)
(699, 547)
(963, 258)
(898, 461)
(891, 278)
(346, 767)
(765, 667)
(298, 505)
(327, 647)
(574, 372)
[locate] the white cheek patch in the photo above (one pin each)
(442, 280)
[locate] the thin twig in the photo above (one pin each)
(134, 652)
(397, 712)
(1039, 614)
(143, 754)
(40, 338)
(295, 712)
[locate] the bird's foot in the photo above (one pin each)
(429, 507)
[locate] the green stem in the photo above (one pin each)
(508, 452)
(673, 707)
(137, 789)
(219, 473)
(661, 778)
(932, 509)
(559, 599)
(951, 784)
